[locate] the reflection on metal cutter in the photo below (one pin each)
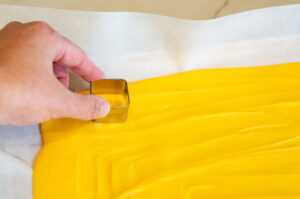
(115, 91)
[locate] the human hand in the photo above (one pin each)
(34, 76)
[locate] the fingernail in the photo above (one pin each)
(104, 108)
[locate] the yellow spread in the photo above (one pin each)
(205, 134)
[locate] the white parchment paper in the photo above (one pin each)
(136, 46)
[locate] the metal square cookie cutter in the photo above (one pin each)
(112, 86)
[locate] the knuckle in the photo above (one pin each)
(40, 28)
(13, 23)
(40, 25)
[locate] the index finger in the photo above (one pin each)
(69, 55)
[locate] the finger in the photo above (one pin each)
(12, 24)
(85, 107)
(61, 74)
(70, 55)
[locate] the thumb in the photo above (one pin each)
(85, 107)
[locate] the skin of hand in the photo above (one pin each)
(34, 78)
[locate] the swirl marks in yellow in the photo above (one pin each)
(217, 133)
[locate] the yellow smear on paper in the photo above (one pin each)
(205, 134)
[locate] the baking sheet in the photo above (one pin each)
(137, 46)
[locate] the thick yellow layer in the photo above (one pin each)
(206, 134)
